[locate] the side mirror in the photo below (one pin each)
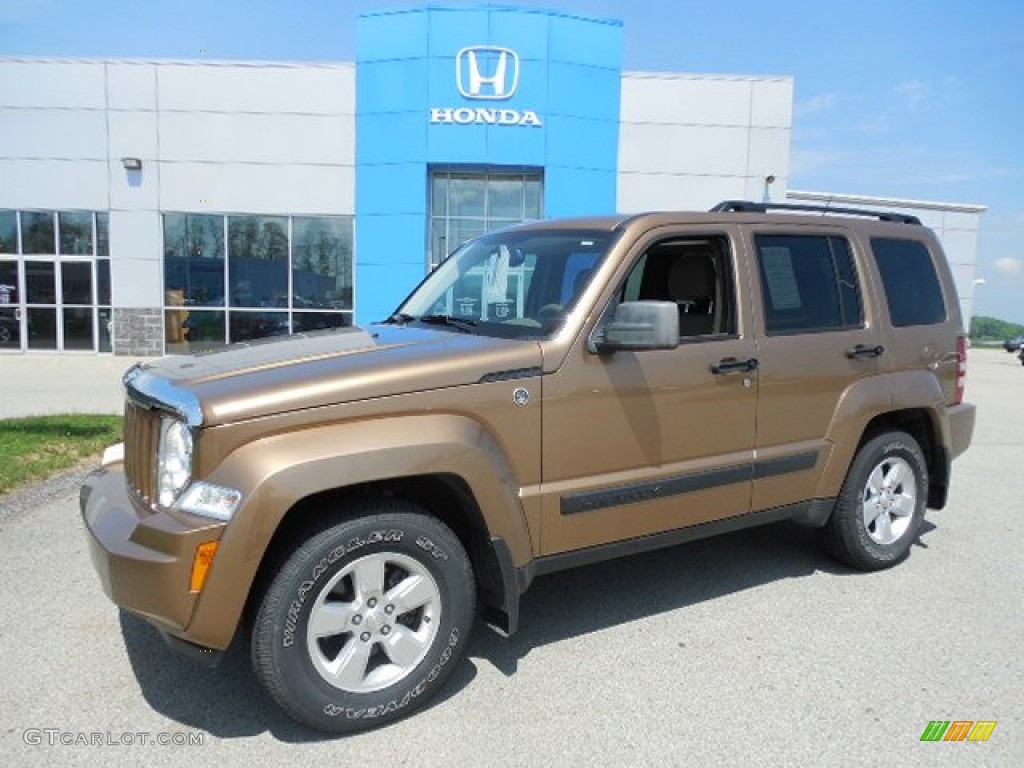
(640, 325)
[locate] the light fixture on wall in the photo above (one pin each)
(768, 181)
(132, 163)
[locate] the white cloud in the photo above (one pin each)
(914, 91)
(820, 102)
(1009, 265)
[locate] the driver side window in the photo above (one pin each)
(694, 274)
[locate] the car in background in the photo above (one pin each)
(1014, 344)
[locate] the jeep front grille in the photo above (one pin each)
(141, 438)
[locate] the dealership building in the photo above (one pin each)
(151, 207)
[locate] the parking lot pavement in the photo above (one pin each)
(748, 650)
(38, 384)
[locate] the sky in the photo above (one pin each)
(919, 99)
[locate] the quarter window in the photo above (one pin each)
(912, 288)
(808, 283)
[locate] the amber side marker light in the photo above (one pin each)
(201, 564)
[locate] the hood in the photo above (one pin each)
(271, 376)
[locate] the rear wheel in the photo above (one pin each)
(366, 619)
(882, 503)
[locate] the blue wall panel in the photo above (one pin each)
(407, 71)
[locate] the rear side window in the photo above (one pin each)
(911, 285)
(808, 283)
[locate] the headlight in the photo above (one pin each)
(174, 465)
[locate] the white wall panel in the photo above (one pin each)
(54, 184)
(134, 190)
(659, 192)
(135, 248)
(253, 138)
(768, 152)
(132, 134)
(257, 88)
(684, 100)
(49, 83)
(771, 104)
(257, 188)
(131, 85)
(694, 149)
(56, 133)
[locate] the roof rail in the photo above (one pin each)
(745, 206)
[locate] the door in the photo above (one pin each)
(639, 443)
(815, 349)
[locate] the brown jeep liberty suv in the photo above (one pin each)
(553, 394)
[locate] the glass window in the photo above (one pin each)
(203, 330)
(78, 328)
(246, 326)
(912, 287)
(194, 259)
(466, 205)
(102, 234)
(75, 233)
(305, 322)
(258, 261)
(103, 281)
(505, 198)
(808, 283)
(8, 232)
(37, 232)
(40, 284)
(508, 284)
(105, 327)
(322, 263)
(42, 327)
(76, 282)
(10, 328)
(466, 196)
(8, 282)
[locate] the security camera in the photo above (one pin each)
(769, 179)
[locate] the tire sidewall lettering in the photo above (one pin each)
(354, 545)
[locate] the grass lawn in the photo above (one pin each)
(33, 448)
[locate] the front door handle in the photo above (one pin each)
(732, 365)
(862, 350)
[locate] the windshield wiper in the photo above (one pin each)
(464, 325)
(400, 318)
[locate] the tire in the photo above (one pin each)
(365, 620)
(881, 506)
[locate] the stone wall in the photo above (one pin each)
(138, 332)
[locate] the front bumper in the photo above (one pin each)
(143, 558)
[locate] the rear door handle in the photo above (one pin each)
(732, 365)
(862, 350)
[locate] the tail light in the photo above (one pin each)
(961, 368)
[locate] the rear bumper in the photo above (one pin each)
(143, 558)
(961, 427)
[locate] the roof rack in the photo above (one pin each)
(745, 206)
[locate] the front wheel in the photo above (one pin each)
(366, 619)
(881, 505)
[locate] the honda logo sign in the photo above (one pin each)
(487, 72)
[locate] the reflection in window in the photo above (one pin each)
(76, 282)
(269, 262)
(75, 233)
(322, 259)
(258, 261)
(8, 282)
(102, 234)
(10, 328)
(464, 206)
(8, 232)
(78, 329)
(103, 281)
(40, 286)
(42, 328)
(37, 232)
(194, 259)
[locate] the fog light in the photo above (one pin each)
(201, 564)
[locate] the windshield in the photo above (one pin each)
(511, 283)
